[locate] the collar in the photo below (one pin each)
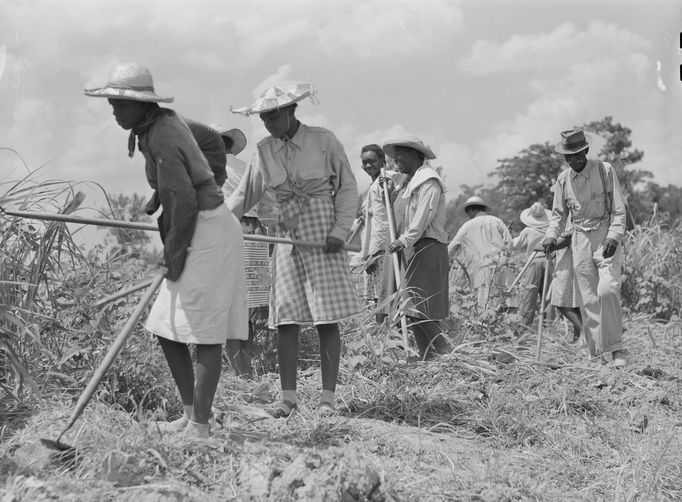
(296, 141)
(480, 213)
(421, 175)
(587, 167)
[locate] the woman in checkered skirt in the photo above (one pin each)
(316, 193)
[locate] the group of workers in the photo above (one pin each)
(305, 173)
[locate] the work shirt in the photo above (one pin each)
(424, 214)
(376, 217)
(312, 164)
(529, 240)
(479, 239)
(179, 172)
(581, 196)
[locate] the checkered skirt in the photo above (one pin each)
(309, 286)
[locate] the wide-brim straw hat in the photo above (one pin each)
(410, 142)
(573, 141)
(129, 81)
(536, 216)
(236, 136)
(475, 200)
(276, 97)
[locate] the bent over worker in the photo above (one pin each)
(589, 194)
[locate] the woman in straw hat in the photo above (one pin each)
(419, 209)
(202, 245)
(536, 219)
(316, 193)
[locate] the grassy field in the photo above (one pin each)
(487, 422)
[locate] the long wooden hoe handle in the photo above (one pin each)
(543, 296)
(134, 225)
(397, 272)
(112, 354)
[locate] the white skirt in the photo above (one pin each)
(207, 304)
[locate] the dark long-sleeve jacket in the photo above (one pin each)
(177, 169)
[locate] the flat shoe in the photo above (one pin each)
(169, 427)
(282, 409)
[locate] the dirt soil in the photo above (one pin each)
(512, 429)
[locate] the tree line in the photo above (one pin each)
(528, 176)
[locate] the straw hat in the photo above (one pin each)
(475, 201)
(129, 81)
(573, 141)
(236, 137)
(408, 141)
(275, 97)
(536, 216)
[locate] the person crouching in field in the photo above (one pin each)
(419, 209)
(563, 292)
(589, 194)
(240, 352)
(536, 219)
(317, 197)
(202, 245)
(480, 244)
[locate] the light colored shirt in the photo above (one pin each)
(376, 217)
(580, 196)
(478, 239)
(424, 214)
(311, 164)
(530, 239)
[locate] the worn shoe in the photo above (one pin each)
(195, 430)
(283, 409)
(169, 427)
(327, 408)
(620, 358)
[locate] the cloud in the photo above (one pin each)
(562, 47)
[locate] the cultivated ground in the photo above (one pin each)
(486, 423)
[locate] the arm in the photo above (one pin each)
(617, 225)
(345, 190)
(250, 189)
(180, 206)
(427, 203)
(559, 213)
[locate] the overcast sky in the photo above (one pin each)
(476, 80)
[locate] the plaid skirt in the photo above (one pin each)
(309, 286)
(207, 304)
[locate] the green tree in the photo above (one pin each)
(526, 179)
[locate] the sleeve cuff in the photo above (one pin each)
(339, 233)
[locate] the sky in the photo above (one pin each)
(478, 81)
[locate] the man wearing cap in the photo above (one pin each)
(589, 195)
(317, 196)
(478, 245)
(419, 209)
(536, 219)
(202, 245)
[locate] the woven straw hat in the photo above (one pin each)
(536, 216)
(475, 201)
(275, 97)
(573, 141)
(236, 136)
(409, 141)
(129, 81)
